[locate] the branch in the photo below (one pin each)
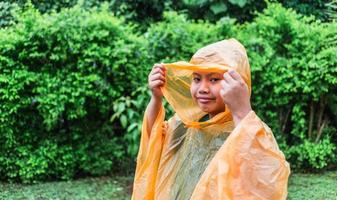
(311, 119)
(286, 120)
(320, 131)
(322, 104)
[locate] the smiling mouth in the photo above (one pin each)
(204, 100)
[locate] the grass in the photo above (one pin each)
(301, 187)
(111, 188)
(313, 186)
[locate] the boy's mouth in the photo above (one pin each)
(205, 99)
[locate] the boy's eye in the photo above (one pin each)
(196, 79)
(214, 79)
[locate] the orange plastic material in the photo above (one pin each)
(187, 157)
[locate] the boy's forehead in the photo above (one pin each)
(203, 73)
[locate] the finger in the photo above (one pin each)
(154, 69)
(160, 66)
(157, 72)
(224, 85)
(235, 75)
(228, 78)
(163, 66)
(157, 76)
(223, 95)
(224, 88)
(157, 83)
(156, 66)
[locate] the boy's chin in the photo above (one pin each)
(209, 109)
(205, 108)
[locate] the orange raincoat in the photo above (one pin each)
(190, 157)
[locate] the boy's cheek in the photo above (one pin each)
(193, 90)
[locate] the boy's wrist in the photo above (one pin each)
(155, 99)
(240, 114)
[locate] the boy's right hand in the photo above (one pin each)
(156, 79)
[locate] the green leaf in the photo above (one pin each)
(219, 7)
(240, 3)
(124, 121)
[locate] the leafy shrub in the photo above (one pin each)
(294, 80)
(60, 75)
(145, 12)
(6, 10)
(177, 38)
(311, 155)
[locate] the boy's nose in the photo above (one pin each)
(204, 89)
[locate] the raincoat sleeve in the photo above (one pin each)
(149, 156)
(250, 166)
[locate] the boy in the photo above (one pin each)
(214, 147)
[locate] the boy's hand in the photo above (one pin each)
(235, 95)
(156, 79)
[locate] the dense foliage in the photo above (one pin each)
(60, 75)
(144, 12)
(294, 74)
(73, 84)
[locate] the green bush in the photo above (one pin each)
(312, 155)
(177, 38)
(60, 75)
(128, 112)
(6, 18)
(294, 80)
(144, 12)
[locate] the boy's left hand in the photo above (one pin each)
(235, 95)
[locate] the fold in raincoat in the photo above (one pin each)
(192, 157)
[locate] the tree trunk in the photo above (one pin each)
(311, 119)
(320, 124)
(284, 124)
(320, 131)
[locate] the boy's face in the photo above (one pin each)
(205, 90)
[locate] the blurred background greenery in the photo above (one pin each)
(73, 77)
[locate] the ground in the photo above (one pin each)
(321, 186)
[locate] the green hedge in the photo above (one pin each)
(60, 74)
(293, 61)
(73, 86)
(145, 12)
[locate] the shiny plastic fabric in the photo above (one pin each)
(192, 157)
